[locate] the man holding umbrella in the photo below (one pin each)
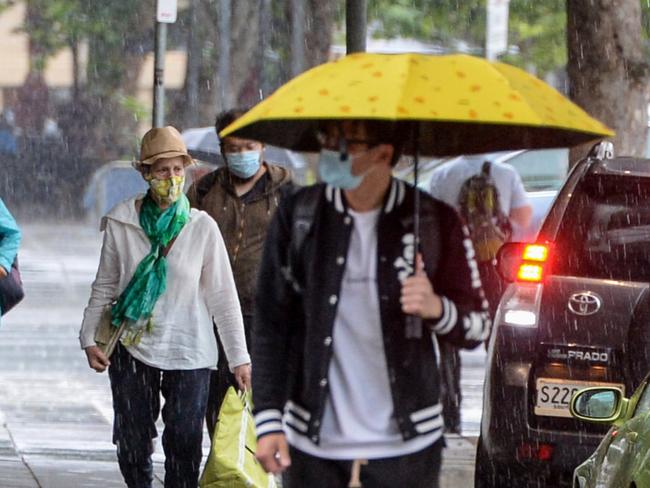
(350, 308)
(330, 337)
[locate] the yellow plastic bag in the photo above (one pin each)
(232, 463)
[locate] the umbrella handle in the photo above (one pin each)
(413, 328)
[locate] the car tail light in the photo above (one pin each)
(533, 261)
(531, 273)
(520, 305)
(530, 451)
(545, 452)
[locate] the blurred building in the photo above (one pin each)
(58, 74)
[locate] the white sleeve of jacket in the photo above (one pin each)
(221, 297)
(104, 288)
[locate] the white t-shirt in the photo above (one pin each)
(447, 180)
(358, 421)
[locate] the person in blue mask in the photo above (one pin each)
(241, 197)
(341, 374)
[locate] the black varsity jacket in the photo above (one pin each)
(297, 299)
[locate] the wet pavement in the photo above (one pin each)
(55, 413)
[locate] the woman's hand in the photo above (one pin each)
(243, 376)
(97, 360)
(3, 272)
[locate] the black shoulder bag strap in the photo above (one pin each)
(203, 186)
(485, 169)
(304, 213)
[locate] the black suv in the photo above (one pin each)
(576, 314)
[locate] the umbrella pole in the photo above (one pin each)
(413, 322)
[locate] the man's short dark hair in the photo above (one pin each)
(227, 117)
(382, 132)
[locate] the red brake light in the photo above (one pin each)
(536, 252)
(534, 257)
(530, 451)
(545, 452)
(530, 272)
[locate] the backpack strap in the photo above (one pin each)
(485, 169)
(204, 185)
(165, 250)
(304, 213)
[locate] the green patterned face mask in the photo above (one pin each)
(166, 191)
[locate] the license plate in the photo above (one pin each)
(554, 395)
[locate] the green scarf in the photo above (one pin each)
(135, 304)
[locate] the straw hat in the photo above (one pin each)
(162, 142)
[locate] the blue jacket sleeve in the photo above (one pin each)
(9, 237)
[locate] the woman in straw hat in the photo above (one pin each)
(165, 270)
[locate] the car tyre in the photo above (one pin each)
(485, 474)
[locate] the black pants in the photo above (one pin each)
(450, 392)
(417, 470)
(221, 379)
(136, 403)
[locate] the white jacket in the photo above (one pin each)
(200, 287)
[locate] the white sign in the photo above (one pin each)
(496, 39)
(166, 11)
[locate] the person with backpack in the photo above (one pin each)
(241, 197)
(341, 374)
(491, 199)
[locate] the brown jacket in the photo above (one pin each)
(243, 225)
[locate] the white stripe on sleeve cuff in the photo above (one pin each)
(448, 319)
(267, 422)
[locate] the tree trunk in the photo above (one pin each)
(76, 70)
(246, 55)
(223, 95)
(319, 31)
(355, 25)
(193, 70)
(298, 21)
(607, 72)
(266, 17)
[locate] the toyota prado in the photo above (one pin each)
(576, 314)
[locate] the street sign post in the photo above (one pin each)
(166, 13)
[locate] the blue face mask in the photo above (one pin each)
(243, 164)
(337, 173)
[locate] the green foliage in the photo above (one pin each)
(138, 110)
(536, 29)
(434, 20)
(117, 26)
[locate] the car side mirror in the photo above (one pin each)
(598, 404)
(509, 258)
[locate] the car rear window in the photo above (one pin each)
(543, 169)
(605, 232)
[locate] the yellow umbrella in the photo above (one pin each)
(438, 105)
(463, 105)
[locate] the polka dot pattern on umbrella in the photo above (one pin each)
(452, 88)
